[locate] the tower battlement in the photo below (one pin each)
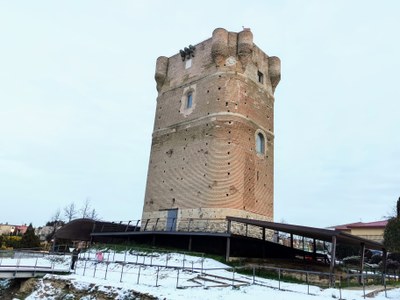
(212, 147)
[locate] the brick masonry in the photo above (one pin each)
(203, 158)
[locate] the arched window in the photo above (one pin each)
(189, 100)
(260, 143)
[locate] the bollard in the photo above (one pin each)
(192, 267)
(95, 267)
(125, 255)
(114, 254)
(308, 285)
(254, 275)
(151, 259)
(183, 262)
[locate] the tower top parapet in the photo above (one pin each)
(227, 52)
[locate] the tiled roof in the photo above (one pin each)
(376, 224)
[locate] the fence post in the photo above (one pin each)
(84, 269)
(254, 274)
(363, 283)
(158, 272)
(34, 269)
(138, 277)
(105, 275)
(233, 277)
(122, 272)
(279, 278)
(384, 284)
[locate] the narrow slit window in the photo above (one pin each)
(260, 143)
(260, 77)
(189, 100)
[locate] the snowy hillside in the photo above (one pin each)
(160, 276)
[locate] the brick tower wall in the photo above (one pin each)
(203, 158)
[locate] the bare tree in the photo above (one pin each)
(85, 210)
(55, 222)
(56, 217)
(70, 212)
(94, 215)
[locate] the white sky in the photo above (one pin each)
(77, 95)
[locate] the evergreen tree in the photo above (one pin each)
(30, 239)
(392, 232)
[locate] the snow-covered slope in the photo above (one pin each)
(129, 275)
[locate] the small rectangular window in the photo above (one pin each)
(189, 100)
(188, 64)
(260, 77)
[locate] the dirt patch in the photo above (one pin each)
(17, 288)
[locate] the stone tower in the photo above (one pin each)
(212, 150)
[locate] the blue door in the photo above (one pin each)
(171, 220)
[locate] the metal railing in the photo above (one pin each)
(190, 272)
(29, 263)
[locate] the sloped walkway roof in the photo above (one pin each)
(78, 229)
(82, 229)
(312, 232)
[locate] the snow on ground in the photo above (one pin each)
(154, 274)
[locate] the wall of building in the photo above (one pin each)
(375, 234)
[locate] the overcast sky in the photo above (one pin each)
(78, 96)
